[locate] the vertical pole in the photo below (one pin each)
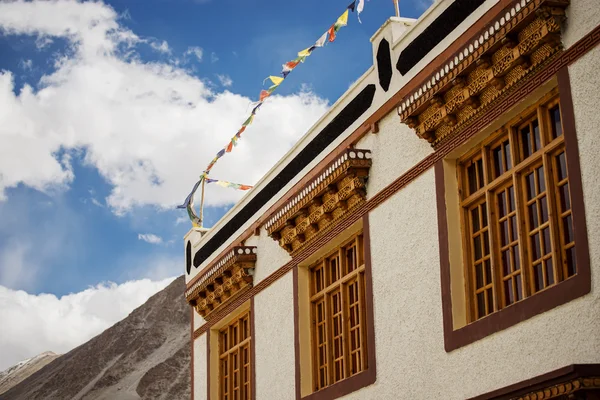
(397, 7)
(201, 216)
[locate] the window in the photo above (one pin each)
(234, 359)
(515, 199)
(337, 297)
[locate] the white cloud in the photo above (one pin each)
(194, 51)
(225, 80)
(150, 238)
(32, 324)
(162, 47)
(181, 220)
(213, 57)
(148, 128)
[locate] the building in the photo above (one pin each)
(436, 235)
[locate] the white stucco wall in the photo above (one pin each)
(200, 368)
(274, 340)
(582, 17)
(270, 256)
(198, 320)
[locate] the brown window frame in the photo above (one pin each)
(516, 244)
(551, 297)
(235, 344)
(337, 299)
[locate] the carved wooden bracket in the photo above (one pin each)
(508, 50)
(223, 281)
(339, 188)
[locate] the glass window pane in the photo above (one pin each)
(541, 182)
(565, 200)
(536, 136)
(498, 165)
(568, 229)
(544, 209)
(480, 305)
(549, 272)
(535, 247)
(561, 166)
(502, 204)
(546, 236)
(511, 199)
(519, 287)
(555, 121)
(490, 300)
(571, 261)
(488, 272)
(526, 142)
(533, 216)
(486, 243)
(480, 173)
(508, 292)
(477, 247)
(513, 228)
(504, 233)
(475, 219)
(479, 275)
(506, 262)
(538, 277)
(507, 158)
(516, 258)
(530, 181)
(483, 215)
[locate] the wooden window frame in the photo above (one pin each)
(551, 297)
(214, 335)
(368, 375)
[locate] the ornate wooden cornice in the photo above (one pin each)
(526, 36)
(563, 390)
(314, 209)
(223, 281)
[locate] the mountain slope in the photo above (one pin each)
(17, 373)
(146, 355)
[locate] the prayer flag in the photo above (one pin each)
(359, 9)
(276, 80)
(331, 32)
(352, 6)
(321, 41)
(341, 21)
(304, 53)
(263, 95)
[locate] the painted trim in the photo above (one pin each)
(369, 375)
(252, 349)
(542, 382)
(208, 364)
(563, 292)
(504, 103)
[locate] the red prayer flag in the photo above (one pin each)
(332, 33)
(263, 95)
(230, 147)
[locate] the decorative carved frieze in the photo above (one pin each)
(508, 50)
(338, 189)
(564, 390)
(223, 280)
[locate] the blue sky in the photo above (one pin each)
(109, 111)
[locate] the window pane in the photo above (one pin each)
(561, 164)
(490, 300)
(565, 200)
(488, 272)
(535, 247)
(480, 305)
(526, 142)
(498, 165)
(568, 229)
(507, 158)
(516, 257)
(544, 209)
(530, 181)
(506, 262)
(513, 227)
(477, 247)
(533, 216)
(547, 245)
(519, 287)
(508, 292)
(555, 122)
(549, 272)
(502, 204)
(511, 199)
(536, 136)
(479, 275)
(472, 178)
(504, 233)
(541, 182)
(538, 277)
(480, 173)
(483, 215)
(571, 261)
(486, 243)
(475, 219)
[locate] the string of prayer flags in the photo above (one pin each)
(329, 35)
(229, 184)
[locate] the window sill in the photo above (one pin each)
(344, 387)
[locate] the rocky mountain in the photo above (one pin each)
(17, 373)
(144, 356)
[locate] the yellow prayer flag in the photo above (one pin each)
(276, 79)
(343, 19)
(304, 53)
